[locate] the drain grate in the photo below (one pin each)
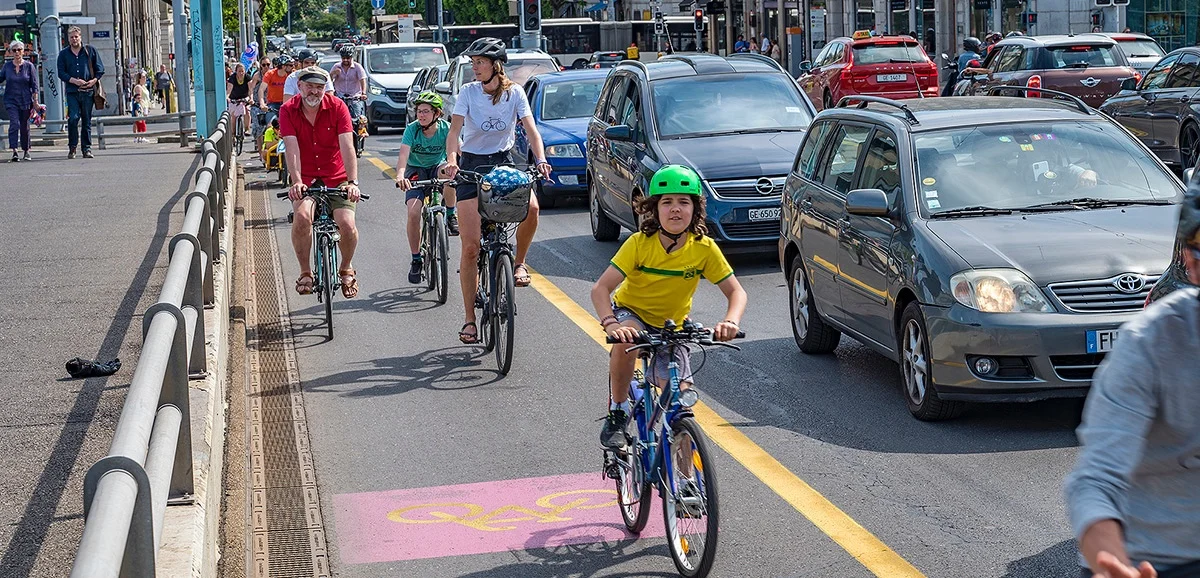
(288, 536)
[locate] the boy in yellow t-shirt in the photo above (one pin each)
(652, 279)
(270, 142)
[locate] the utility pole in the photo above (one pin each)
(49, 27)
(441, 33)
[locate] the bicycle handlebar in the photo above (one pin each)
(690, 333)
(333, 191)
(466, 176)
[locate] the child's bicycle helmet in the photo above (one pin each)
(675, 180)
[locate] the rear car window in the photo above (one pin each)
(1141, 48)
(610, 57)
(885, 53)
(1081, 56)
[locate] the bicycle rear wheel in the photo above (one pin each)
(690, 501)
(504, 312)
(441, 268)
(633, 491)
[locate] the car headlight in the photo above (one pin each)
(375, 89)
(999, 291)
(564, 151)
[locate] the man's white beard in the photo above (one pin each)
(312, 101)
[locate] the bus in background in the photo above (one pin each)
(573, 40)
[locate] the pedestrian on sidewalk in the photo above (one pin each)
(140, 98)
(20, 97)
(162, 84)
(80, 68)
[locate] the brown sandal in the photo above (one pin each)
(521, 276)
(304, 285)
(469, 338)
(349, 283)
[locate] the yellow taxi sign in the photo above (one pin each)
(861, 34)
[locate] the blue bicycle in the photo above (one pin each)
(668, 450)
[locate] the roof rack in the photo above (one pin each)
(638, 63)
(864, 100)
(1078, 102)
(759, 57)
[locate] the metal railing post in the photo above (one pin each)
(175, 380)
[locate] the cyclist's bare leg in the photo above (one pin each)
(621, 365)
(449, 198)
(468, 272)
(526, 229)
(349, 232)
(415, 207)
(302, 220)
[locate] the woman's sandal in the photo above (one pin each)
(304, 285)
(469, 338)
(349, 283)
(521, 276)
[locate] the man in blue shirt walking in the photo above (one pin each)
(80, 68)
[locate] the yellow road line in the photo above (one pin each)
(382, 166)
(870, 551)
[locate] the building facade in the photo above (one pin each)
(1174, 23)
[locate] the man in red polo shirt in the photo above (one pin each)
(320, 146)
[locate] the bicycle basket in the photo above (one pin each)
(504, 195)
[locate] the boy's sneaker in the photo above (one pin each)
(612, 435)
(452, 225)
(71, 154)
(414, 271)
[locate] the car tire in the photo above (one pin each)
(812, 334)
(1189, 146)
(915, 370)
(545, 201)
(604, 229)
(372, 128)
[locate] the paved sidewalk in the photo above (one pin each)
(84, 255)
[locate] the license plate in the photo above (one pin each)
(568, 179)
(1101, 340)
(768, 214)
(891, 77)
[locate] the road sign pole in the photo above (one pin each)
(51, 44)
(182, 65)
(441, 23)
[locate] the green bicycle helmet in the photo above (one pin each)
(428, 97)
(675, 180)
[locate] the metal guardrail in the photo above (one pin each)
(149, 465)
(184, 131)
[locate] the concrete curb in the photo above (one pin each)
(191, 533)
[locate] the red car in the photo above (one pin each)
(888, 66)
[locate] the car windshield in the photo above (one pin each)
(1017, 166)
(570, 99)
(517, 71)
(1081, 56)
(728, 103)
(1141, 48)
(885, 53)
(403, 60)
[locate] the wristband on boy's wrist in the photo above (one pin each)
(605, 321)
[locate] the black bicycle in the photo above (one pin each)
(435, 238)
(500, 212)
(325, 247)
(239, 124)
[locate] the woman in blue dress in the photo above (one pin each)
(20, 97)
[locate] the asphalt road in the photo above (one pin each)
(84, 255)
(401, 414)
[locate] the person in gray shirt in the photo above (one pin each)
(1134, 496)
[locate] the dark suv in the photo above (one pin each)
(993, 246)
(1089, 66)
(736, 121)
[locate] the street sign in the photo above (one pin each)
(377, 4)
(100, 34)
(378, 11)
(78, 20)
(899, 4)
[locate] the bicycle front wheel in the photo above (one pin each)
(504, 312)
(428, 251)
(441, 261)
(240, 135)
(485, 298)
(690, 509)
(328, 278)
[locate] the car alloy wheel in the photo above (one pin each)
(800, 310)
(812, 334)
(915, 362)
(1189, 147)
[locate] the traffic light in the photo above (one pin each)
(28, 18)
(531, 15)
(412, 4)
(699, 14)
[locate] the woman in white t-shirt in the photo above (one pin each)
(485, 116)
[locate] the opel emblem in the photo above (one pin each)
(764, 186)
(1090, 81)
(1130, 283)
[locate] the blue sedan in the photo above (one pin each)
(562, 103)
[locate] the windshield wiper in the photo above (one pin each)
(1077, 65)
(1095, 203)
(902, 60)
(976, 211)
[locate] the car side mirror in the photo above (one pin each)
(806, 66)
(620, 132)
(1187, 175)
(442, 87)
(867, 203)
(1130, 83)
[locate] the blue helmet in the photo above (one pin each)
(503, 181)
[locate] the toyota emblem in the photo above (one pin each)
(1090, 81)
(1130, 283)
(764, 186)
